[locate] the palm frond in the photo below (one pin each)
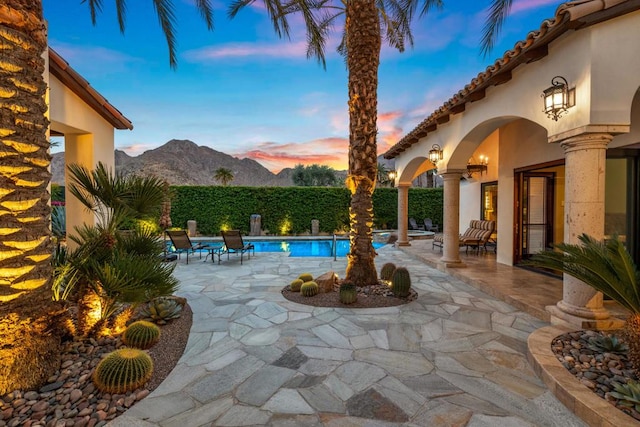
(608, 268)
(167, 18)
(121, 10)
(206, 11)
(430, 4)
(497, 14)
(95, 7)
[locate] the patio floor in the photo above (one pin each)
(454, 356)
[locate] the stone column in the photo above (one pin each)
(403, 215)
(585, 157)
(451, 226)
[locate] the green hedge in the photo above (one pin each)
(218, 207)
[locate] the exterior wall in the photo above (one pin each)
(89, 139)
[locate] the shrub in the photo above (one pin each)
(123, 370)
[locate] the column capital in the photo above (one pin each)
(451, 174)
(586, 141)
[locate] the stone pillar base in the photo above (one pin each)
(399, 243)
(450, 264)
(559, 317)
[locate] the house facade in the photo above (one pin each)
(544, 179)
(86, 120)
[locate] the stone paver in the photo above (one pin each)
(454, 356)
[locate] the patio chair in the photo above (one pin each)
(182, 243)
(475, 237)
(413, 225)
(234, 244)
(430, 226)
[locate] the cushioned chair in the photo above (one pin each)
(234, 244)
(476, 236)
(182, 243)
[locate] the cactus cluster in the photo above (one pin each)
(295, 285)
(401, 282)
(141, 334)
(306, 277)
(123, 370)
(348, 293)
(161, 309)
(386, 272)
(309, 289)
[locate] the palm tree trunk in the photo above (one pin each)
(363, 56)
(25, 243)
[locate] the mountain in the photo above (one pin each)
(183, 162)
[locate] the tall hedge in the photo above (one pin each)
(218, 207)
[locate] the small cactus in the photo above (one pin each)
(309, 289)
(161, 309)
(401, 282)
(141, 334)
(386, 272)
(123, 370)
(295, 285)
(348, 293)
(306, 277)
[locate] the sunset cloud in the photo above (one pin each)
(241, 50)
(525, 5)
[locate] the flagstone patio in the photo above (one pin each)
(454, 356)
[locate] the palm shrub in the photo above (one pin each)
(111, 268)
(608, 268)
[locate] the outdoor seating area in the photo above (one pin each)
(475, 237)
(233, 244)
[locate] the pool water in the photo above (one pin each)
(305, 248)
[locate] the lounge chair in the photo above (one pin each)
(476, 236)
(182, 243)
(234, 244)
(430, 226)
(413, 225)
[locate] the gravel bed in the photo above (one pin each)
(595, 369)
(69, 399)
(378, 295)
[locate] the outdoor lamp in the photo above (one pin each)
(477, 167)
(392, 175)
(556, 98)
(435, 154)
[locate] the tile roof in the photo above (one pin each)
(61, 69)
(572, 15)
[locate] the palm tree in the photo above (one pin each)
(608, 268)
(26, 246)
(224, 175)
(365, 23)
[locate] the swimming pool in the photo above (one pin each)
(305, 248)
(299, 247)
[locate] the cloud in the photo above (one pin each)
(525, 5)
(94, 59)
(242, 50)
(136, 149)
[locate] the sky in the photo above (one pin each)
(241, 90)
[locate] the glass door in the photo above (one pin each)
(535, 213)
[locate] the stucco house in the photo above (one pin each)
(550, 176)
(86, 120)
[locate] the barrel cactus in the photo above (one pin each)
(141, 334)
(348, 293)
(309, 289)
(161, 309)
(123, 370)
(401, 282)
(306, 277)
(295, 285)
(386, 272)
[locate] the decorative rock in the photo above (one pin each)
(75, 395)
(326, 281)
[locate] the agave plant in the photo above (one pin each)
(628, 394)
(607, 267)
(607, 343)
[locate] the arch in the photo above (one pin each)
(415, 167)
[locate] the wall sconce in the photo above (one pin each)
(435, 154)
(558, 98)
(477, 167)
